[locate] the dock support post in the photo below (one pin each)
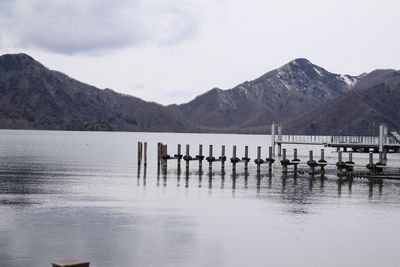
(371, 166)
(187, 156)
(273, 138)
(381, 137)
(311, 161)
(322, 160)
(279, 149)
(145, 155)
(270, 154)
(295, 159)
(223, 158)
(340, 164)
(246, 156)
(210, 155)
(179, 157)
(284, 162)
(200, 157)
(381, 158)
(258, 159)
(139, 153)
(165, 153)
(159, 150)
(279, 132)
(234, 157)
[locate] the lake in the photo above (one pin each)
(79, 195)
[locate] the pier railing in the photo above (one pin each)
(311, 139)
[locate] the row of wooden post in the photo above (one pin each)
(142, 154)
(343, 167)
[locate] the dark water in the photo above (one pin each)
(78, 195)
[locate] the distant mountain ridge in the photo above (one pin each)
(275, 96)
(34, 97)
(304, 97)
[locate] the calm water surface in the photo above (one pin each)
(79, 195)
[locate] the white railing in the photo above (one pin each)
(331, 139)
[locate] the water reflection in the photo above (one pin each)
(291, 184)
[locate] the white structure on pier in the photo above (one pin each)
(382, 143)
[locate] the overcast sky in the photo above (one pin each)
(171, 51)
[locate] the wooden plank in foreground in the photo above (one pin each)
(70, 263)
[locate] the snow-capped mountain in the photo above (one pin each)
(277, 95)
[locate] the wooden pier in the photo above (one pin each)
(313, 166)
(373, 145)
(386, 143)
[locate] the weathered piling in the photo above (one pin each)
(258, 160)
(158, 153)
(210, 157)
(139, 153)
(284, 162)
(322, 162)
(222, 158)
(178, 156)
(371, 166)
(200, 157)
(295, 160)
(234, 159)
(165, 157)
(145, 155)
(187, 157)
(270, 159)
(311, 162)
(340, 165)
(350, 164)
(246, 158)
(381, 162)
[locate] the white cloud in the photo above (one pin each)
(90, 26)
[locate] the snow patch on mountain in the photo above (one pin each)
(350, 81)
(318, 71)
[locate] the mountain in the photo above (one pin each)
(278, 95)
(305, 98)
(375, 99)
(34, 97)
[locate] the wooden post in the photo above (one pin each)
(210, 154)
(246, 155)
(279, 149)
(381, 138)
(340, 162)
(179, 157)
(234, 156)
(158, 153)
(322, 160)
(258, 159)
(145, 155)
(273, 138)
(270, 157)
(312, 166)
(187, 155)
(223, 156)
(284, 166)
(200, 155)
(295, 158)
(370, 166)
(380, 157)
(139, 153)
(165, 153)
